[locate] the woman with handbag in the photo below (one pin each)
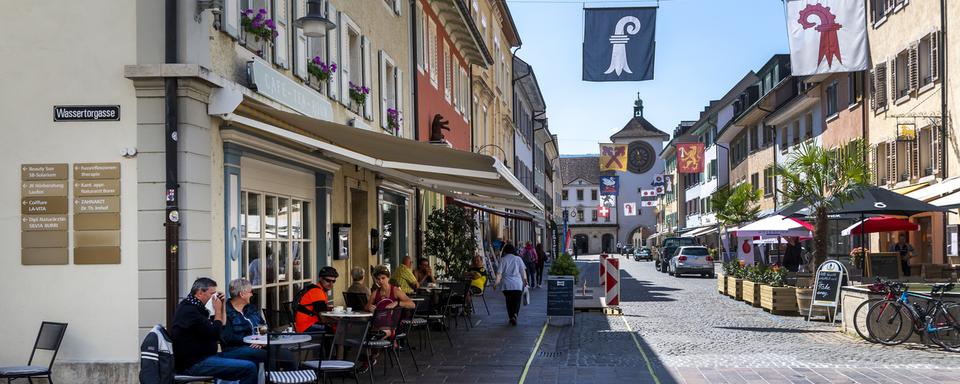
(512, 276)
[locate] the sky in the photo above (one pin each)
(703, 48)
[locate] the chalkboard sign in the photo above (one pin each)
(883, 264)
(826, 287)
(560, 296)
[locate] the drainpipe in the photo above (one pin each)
(944, 119)
(417, 200)
(171, 119)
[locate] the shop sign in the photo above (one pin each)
(282, 89)
(86, 113)
(93, 171)
(906, 132)
(43, 172)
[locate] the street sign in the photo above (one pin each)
(560, 296)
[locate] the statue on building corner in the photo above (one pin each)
(436, 128)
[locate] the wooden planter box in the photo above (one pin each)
(722, 285)
(734, 287)
(751, 293)
(778, 300)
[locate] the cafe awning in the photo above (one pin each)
(469, 176)
(700, 231)
(504, 214)
(936, 190)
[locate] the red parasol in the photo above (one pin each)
(880, 224)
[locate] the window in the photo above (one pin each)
(767, 82)
(259, 47)
(580, 195)
(423, 48)
(276, 246)
(713, 169)
(784, 139)
(391, 94)
(901, 76)
(855, 87)
(432, 48)
(446, 71)
(455, 86)
(594, 214)
(593, 194)
(755, 138)
(354, 62)
(879, 87)
(317, 47)
(808, 125)
(755, 181)
(580, 214)
(768, 181)
(465, 94)
(796, 132)
(497, 73)
(565, 195)
(831, 92)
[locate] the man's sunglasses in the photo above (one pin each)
(331, 281)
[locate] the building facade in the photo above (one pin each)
(593, 227)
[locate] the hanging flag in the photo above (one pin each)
(608, 201)
(668, 183)
(609, 185)
(603, 211)
(827, 36)
(648, 203)
(613, 157)
(629, 209)
(689, 157)
(657, 180)
(659, 189)
(648, 193)
(618, 43)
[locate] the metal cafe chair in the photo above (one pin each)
(349, 339)
(49, 339)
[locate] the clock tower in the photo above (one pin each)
(644, 143)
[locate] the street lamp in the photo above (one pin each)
(315, 24)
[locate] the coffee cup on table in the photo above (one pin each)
(338, 309)
(349, 309)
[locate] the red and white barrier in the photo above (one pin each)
(603, 267)
(612, 280)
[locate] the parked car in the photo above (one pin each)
(668, 249)
(643, 253)
(691, 260)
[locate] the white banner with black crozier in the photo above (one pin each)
(618, 43)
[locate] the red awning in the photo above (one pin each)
(880, 224)
(508, 215)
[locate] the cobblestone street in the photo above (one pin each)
(691, 334)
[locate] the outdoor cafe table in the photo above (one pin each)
(277, 340)
(345, 314)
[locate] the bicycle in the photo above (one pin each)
(937, 320)
(890, 290)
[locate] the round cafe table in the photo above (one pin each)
(345, 314)
(277, 339)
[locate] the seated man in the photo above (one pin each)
(313, 300)
(196, 336)
(424, 273)
(406, 280)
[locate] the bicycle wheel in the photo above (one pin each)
(889, 322)
(860, 319)
(946, 328)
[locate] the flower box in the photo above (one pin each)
(734, 287)
(722, 284)
(751, 293)
(779, 300)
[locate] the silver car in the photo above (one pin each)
(691, 260)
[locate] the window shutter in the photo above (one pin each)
(278, 11)
(434, 65)
(873, 88)
(398, 83)
(230, 18)
(935, 142)
(913, 66)
(333, 53)
(915, 158)
(892, 162)
(397, 6)
(347, 67)
(881, 86)
(893, 79)
(383, 89)
(367, 76)
(300, 58)
(935, 55)
(873, 165)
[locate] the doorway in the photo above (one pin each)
(359, 235)
(581, 244)
(607, 241)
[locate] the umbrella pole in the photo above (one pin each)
(864, 256)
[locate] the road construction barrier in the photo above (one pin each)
(603, 266)
(612, 280)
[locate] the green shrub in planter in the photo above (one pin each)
(564, 266)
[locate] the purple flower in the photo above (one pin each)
(366, 90)
(351, 84)
(247, 12)
(271, 24)
(255, 24)
(263, 11)
(333, 67)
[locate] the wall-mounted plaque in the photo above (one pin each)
(90, 171)
(44, 208)
(96, 188)
(43, 172)
(86, 112)
(44, 188)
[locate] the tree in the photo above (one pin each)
(822, 179)
(450, 237)
(735, 206)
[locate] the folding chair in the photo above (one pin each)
(350, 337)
(272, 375)
(49, 339)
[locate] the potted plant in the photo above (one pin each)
(321, 70)
(358, 95)
(755, 277)
(393, 120)
(775, 296)
(255, 24)
(445, 239)
(565, 266)
(728, 269)
(857, 256)
(735, 281)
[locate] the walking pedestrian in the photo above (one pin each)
(904, 251)
(530, 258)
(541, 260)
(512, 277)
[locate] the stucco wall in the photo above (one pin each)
(59, 58)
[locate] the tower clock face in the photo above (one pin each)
(640, 157)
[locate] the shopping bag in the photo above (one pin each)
(526, 296)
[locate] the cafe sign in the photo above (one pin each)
(284, 90)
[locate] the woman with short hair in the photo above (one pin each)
(512, 277)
